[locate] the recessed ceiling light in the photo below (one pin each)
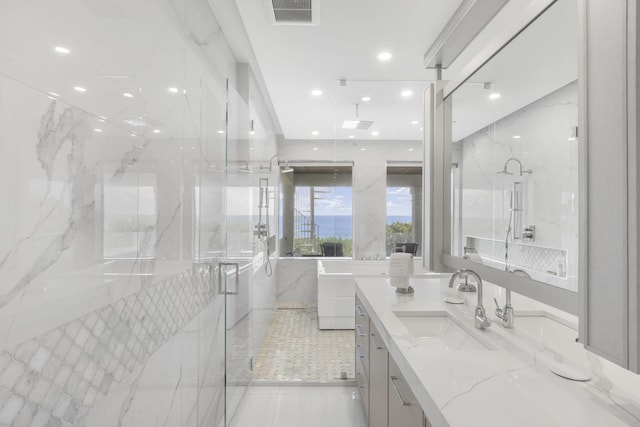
(61, 49)
(363, 149)
(127, 95)
(156, 131)
(97, 130)
(316, 92)
(384, 56)
(173, 89)
(133, 134)
(315, 133)
(79, 89)
(375, 133)
(414, 122)
(351, 136)
(516, 136)
(406, 93)
(315, 148)
(494, 96)
(220, 131)
(410, 149)
(366, 98)
(252, 132)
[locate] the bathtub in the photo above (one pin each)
(336, 288)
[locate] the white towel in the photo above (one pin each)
(400, 269)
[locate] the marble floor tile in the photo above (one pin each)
(289, 406)
(295, 349)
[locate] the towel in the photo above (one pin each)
(400, 269)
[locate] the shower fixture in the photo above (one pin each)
(505, 170)
(286, 168)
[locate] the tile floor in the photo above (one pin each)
(295, 406)
(294, 349)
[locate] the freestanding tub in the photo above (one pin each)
(336, 288)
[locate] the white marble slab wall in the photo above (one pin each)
(113, 207)
(544, 144)
(369, 181)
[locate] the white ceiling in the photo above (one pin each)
(294, 59)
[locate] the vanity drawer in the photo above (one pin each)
(363, 385)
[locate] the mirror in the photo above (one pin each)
(514, 151)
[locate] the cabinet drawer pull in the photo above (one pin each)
(359, 311)
(375, 343)
(360, 334)
(395, 387)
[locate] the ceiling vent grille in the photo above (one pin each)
(292, 11)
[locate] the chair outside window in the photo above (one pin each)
(411, 248)
(331, 249)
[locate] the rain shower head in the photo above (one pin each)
(505, 171)
(286, 168)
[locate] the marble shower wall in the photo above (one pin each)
(112, 159)
(545, 145)
(369, 181)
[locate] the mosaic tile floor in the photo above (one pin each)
(294, 349)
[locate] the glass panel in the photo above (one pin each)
(515, 154)
(404, 209)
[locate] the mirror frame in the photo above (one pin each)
(438, 110)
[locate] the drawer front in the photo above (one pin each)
(378, 378)
(404, 410)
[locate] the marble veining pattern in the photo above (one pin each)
(58, 376)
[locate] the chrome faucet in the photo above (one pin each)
(481, 319)
(506, 313)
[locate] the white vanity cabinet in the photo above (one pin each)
(386, 398)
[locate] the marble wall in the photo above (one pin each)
(369, 181)
(115, 213)
(541, 136)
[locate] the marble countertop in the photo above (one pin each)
(509, 383)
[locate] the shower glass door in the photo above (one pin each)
(236, 269)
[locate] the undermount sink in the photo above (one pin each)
(436, 331)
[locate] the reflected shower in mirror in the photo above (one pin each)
(514, 175)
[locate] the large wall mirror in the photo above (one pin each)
(514, 155)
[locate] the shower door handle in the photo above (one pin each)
(221, 266)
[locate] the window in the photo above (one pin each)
(404, 208)
(316, 208)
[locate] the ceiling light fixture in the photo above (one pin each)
(316, 92)
(173, 89)
(315, 133)
(220, 132)
(516, 137)
(494, 96)
(315, 148)
(79, 89)
(406, 93)
(384, 56)
(414, 122)
(351, 136)
(127, 95)
(61, 49)
(97, 130)
(375, 133)
(156, 131)
(366, 98)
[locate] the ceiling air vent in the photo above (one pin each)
(293, 11)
